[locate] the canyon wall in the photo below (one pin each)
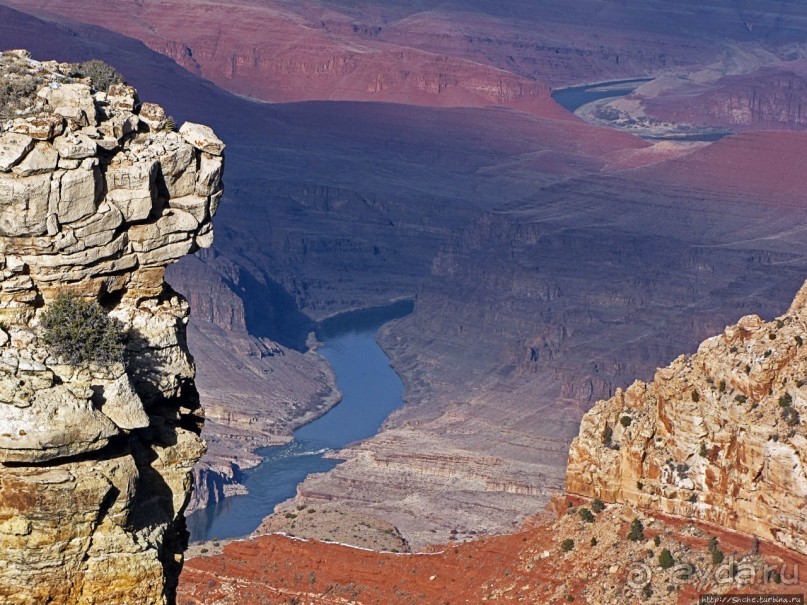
(98, 195)
(772, 97)
(533, 314)
(717, 436)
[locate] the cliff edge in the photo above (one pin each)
(717, 437)
(98, 194)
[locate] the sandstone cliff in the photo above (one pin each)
(716, 437)
(98, 195)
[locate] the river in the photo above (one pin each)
(575, 97)
(578, 99)
(371, 391)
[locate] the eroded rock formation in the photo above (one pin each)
(717, 436)
(98, 195)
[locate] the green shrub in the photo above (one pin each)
(170, 124)
(586, 515)
(626, 421)
(647, 591)
(721, 386)
(696, 397)
(81, 332)
(102, 75)
(597, 505)
(657, 540)
(786, 400)
(665, 559)
(594, 541)
(703, 451)
(567, 545)
(740, 398)
(636, 533)
(717, 556)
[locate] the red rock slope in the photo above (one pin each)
(603, 567)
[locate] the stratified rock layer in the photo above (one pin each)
(717, 436)
(96, 461)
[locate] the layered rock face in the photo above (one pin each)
(768, 98)
(97, 196)
(717, 436)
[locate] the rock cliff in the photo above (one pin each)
(716, 437)
(98, 195)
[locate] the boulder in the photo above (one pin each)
(121, 404)
(75, 146)
(13, 148)
(122, 97)
(57, 424)
(42, 159)
(71, 101)
(42, 127)
(194, 205)
(202, 137)
(153, 115)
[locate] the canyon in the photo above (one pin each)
(551, 262)
(98, 194)
(674, 464)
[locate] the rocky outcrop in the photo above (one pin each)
(717, 436)
(95, 202)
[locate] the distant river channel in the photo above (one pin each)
(371, 392)
(576, 98)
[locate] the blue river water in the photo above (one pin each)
(371, 392)
(575, 97)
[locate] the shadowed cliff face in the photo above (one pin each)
(533, 314)
(97, 197)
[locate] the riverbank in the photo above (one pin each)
(609, 104)
(370, 392)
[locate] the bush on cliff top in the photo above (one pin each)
(81, 332)
(102, 75)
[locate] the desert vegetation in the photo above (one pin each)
(81, 332)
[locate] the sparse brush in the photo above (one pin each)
(18, 94)
(102, 75)
(636, 533)
(81, 332)
(170, 124)
(567, 545)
